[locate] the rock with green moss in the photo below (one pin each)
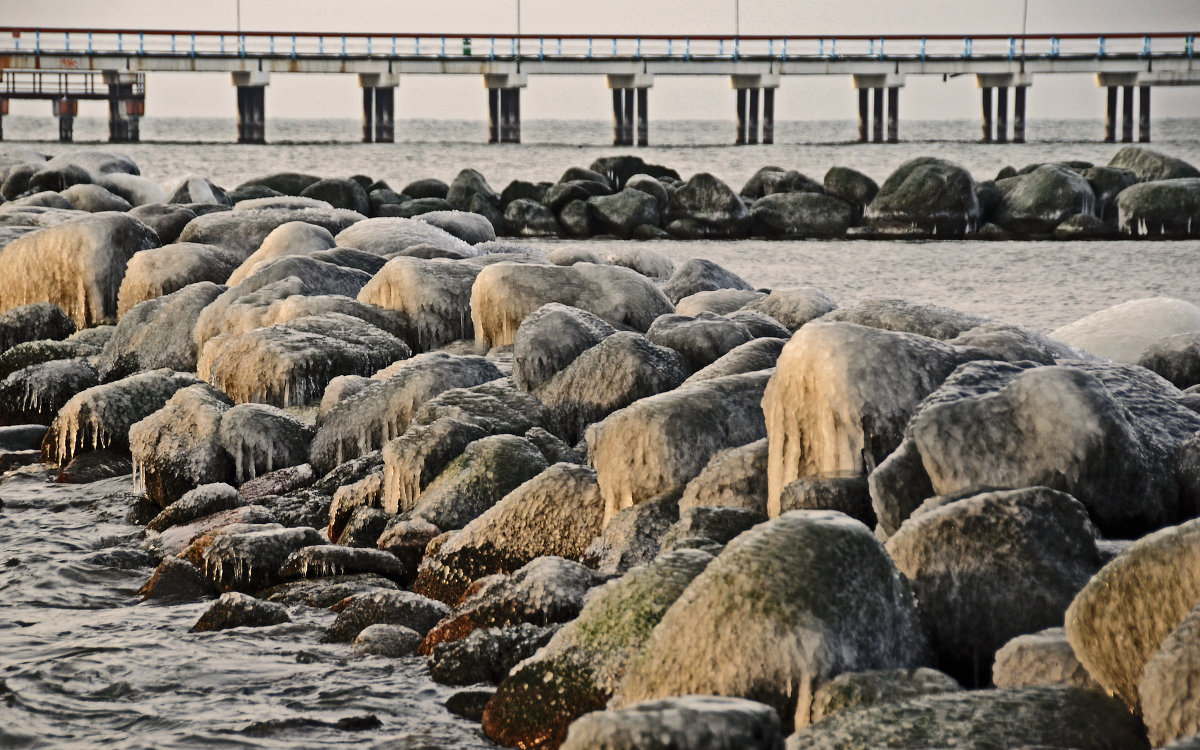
(1127, 610)
(1148, 164)
(862, 689)
(487, 470)
(1164, 208)
(692, 722)
(581, 667)
(813, 594)
(1043, 199)
(983, 720)
(557, 512)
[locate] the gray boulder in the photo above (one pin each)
(850, 185)
(710, 206)
(794, 307)
(851, 690)
(1044, 658)
(1169, 700)
(777, 180)
(385, 607)
(621, 213)
(242, 231)
(1151, 165)
(933, 321)
(1176, 358)
(163, 270)
(346, 194)
(166, 219)
(927, 195)
(35, 394)
(1043, 199)
(386, 640)
(718, 302)
(235, 610)
(157, 333)
(752, 356)
(36, 321)
(733, 478)
(251, 560)
(527, 218)
(801, 215)
(1164, 208)
(93, 198)
(699, 275)
(550, 339)
(693, 722)
(845, 492)
(701, 340)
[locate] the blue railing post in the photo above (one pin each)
(968, 44)
(442, 54)
(614, 52)
(870, 48)
(393, 46)
(1145, 46)
(172, 44)
(771, 48)
(785, 49)
(880, 48)
(669, 47)
(241, 45)
(343, 45)
(832, 47)
(192, 47)
(687, 49)
(89, 42)
(820, 47)
(1054, 46)
(222, 39)
(589, 47)
(320, 45)
(37, 42)
(271, 41)
(737, 47)
(924, 44)
(141, 43)
(541, 48)
(721, 48)
(559, 42)
(512, 46)
(492, 49)
(417, 46)
(120, 42)
(639, 48)
(1012, 48)
(1189, 45)
(1100, 48)
(293, 46)
(67, 40)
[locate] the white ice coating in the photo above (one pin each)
(157, 333)
(434, 296)
(261, 439)
(1121, 333)
(162, 270)
(645, 261)
(365, 493)
(281, 201)
(77, 265)
(718, 302)
(388, 235)
(292, 238)
(133, 188)
(96, 162)
(185, 431)
(505, 293)
(35, 383)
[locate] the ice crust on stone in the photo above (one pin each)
(241, 232)
(390, 235)
(33, 322)
(432, 296)
(1121, 333)
(177, 447)
(261, 439)
(157, 333)
(292, 238)
(163, 270)
(550, 339)
(34, 394)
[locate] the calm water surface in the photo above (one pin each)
(83, 663)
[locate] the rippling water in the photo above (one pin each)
(84, 663)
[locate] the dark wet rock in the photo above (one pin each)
(196, 189)
(933, 321)
(1176, 358)
(250, 561)
(466, 185)
(752, 356)
(526, 218)
(386, 640)
(426, 188)
(32, 353)
(584, 663)
(975, 596)
(13, 459)
(1107, 183)
(851, 690)
(23, 437)
(546, 591)
(157, 333)
(676, 433)
(794, 307)
(251, 192)
(990, 195)
(558, 513)
(1043, 199)
(346, 724)
(733, 478)
(711, 205)
(523, 190)
(191, 540)
(701, 340)
(1083, 227)
(931, 196)
(850, 185)
(777, 180)
(413, 209)
(58, 178)
(236, 610)
(714, 524)
(699, 275)
(487, 655)
(1165, 208)
(634, 535)
(36, 321)
(337, 560)
(865, 618)
(685, 723)
(576, 220)
(93, 466)
(1044, 658)
(198, 503)
(286, 183)
(1127, 610)
(1016, 717)
(407, 540)
(325, 592)
(846, 492)
(346, 194)
(307, 507)
(16, 182)
(621, 213)
(176, 579)
(801, 215)
(469, 704)
(364, 528)
(35, 394)
(405, 608)
(652, 187)
(620, 169)
(1151, 165)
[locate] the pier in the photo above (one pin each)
(64, 66)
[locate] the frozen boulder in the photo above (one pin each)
(433, 297)
(177, 448)
(582, 666)
(1176, 358)
(250, 560)
(505, 294)
(487, 655)
(201, 502)
(35, 394)
(647, 262)
(323, 560)
(933, 321)
(261, 439)
(979, 719)
(701, 340)
(733, 478)
(1014, 343)
(833, 405)
(166, 219)
(752, 356)
(691, 722)
(718, 302)
(292, 238)
(135, 189)
(1169, 700)
(157, 333)
(36, 321)
(382, 411)
(100, 417)
(699, 275)
(468, 227)
(801, 215)
(39, 352)
(291, 364)
(557, 512)
(77, 265)
(1166, 208)
(619, 214)
(389, 235)
(706, 207)
(242, 231)
(634, 536)
(386, 640)
(1044, 658)
(195, 189)
(659, 443)
(851, 690)
(551, 338)
(95, 162)
(846, 492)
(797, 626)
(162, 270)
(235, 610)
(926, 195)
(93, 199)
(1127, 611)
(976, 595)
(1043, 199)
(386, 607)
(1151, 165)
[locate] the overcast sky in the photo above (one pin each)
(462, 97)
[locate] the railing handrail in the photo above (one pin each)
(621, 37)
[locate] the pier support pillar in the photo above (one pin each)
(510, 114)
(1110, 116)
(1127, 114)
(643, 117)
(877, 122)
(987, 114)
(368, 114)
(504, 106)
(379, 106)
(752, 121)
(493, 115)
(1144, 114)
(3, 112)
(740, 140)
(1002, 114)
(1019, 114)
(893, 114)
(126, 105)
(252, 110)
(864, 114)
(768, 125)
(66, 109)
(631, 118)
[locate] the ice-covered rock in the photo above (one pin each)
(236, 610)
(551, 338)
(1122, 332)
(1043, 658)
(136, 189)
(204, 500)
(752, 356)
(287, 183)
(327, 591)
(176, 579)
(659, 443)
(1176, 358)
(160, 271)
(1043, 199)
(242, 231)
(166, 219)
(487, 655)
(841, 395)
(250, 560)
(36, 321)
(177, 448)
(95, 162)
(100, 417)
(334, 560)
(846, 492)
(505, 294)
(382, 411)
(928, 195)
(647, 262)
(291, 364)
(979, 719)
(157, 333)
(432, 296)
(385, 607)
(1151, 165)
(93, 198)
(77, 265)
(292, 238)
(699, 275)
(1165, 208)
(35, 394)
(634, 536)
(933, 321)
(390, 235)
(468, 227)
(584, 663)
(718, 301)
(557, 512)
(1127, 611)
(851, 690)
(1169, 699)
(261, 439)
(38, 352)
(418, 456)
(692, 722)
(386, 640)
(701, 340)
(734, 478)
(759, 324)
(1015, 343)
(709, 528)
(975, 594)
(797, 625)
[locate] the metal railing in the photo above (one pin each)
(36, 84)
(297, 45)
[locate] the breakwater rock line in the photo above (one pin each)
(624, 498)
